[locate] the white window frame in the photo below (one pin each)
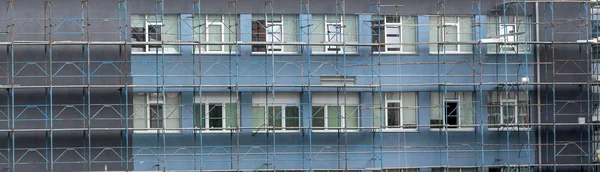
(207, 33)
(340, 34)
(458, 34)
(270, 24)
(516, 124)
(152, 101)
(385, 115)
(342, 115)
(149, 102)
(217, 98)
(400, 27)
(147, 37)
(283, 117)
(207, 115)
(458, 103)
(514, 37)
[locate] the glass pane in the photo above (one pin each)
(199, 116)
(214, 35)
(292, 117)
(494, 115)
(509, 113)
(258, 117)
(274, 33)
(451, 35)
(215, 116)
(155, 32)
(231, 115)
(351, 114)
(393, 114)
(274, 116)
(318, 115)
(334, 116)
(156, 116)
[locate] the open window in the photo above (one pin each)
(276, 30)
(397, 32)
(331, 28)
(154, 29)
(453, 110)
(510, 29)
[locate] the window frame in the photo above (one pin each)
(147, 48)
(216, 98)
(385, 36)
(502, 106)
(283, 117)
(270, 24)
(206, 115)
(342, 121)
(207, 34)
(443, 37)
(339, 34)
(500, 46)
(150, 101)
(400, 127)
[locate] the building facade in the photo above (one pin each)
(335, 85)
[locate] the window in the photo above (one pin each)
(155, 112)
(334, 111)
(509, 29)
(454, 170)
(450, 29)
(508, 108)
(215, 29)
(399, 111)
(277, 29)
(154, 28)
(394, 29)
(216, 111)
(334, 29)
(281, 112)
(454, 109)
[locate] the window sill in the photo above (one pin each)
(452, 129)
(335, 131)
(397, 130)
(277, 131)
(519, 129)
(275, 53)
(450, 53)
(154, 53)
(395, 53)
(509, 53)
(215, 131)
(215, 53)
(333, 53)
(157, 131)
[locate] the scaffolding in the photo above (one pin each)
(69, 111)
